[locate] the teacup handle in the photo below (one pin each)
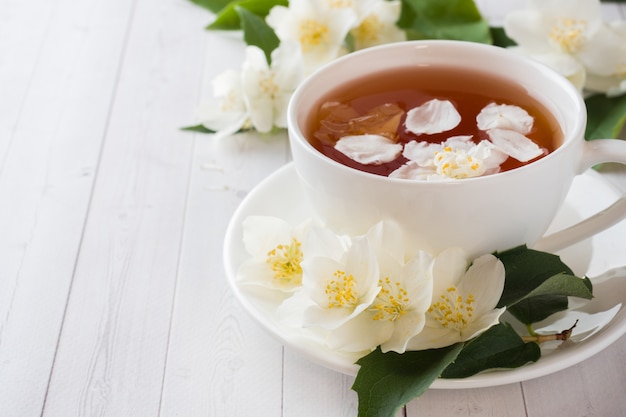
(596, 151)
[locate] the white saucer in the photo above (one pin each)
(280, 195)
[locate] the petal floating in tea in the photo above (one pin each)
(412, 171)
(381, 120)
(335, 120)
(423, 152)
(515, 144)
(434, 116)
(490, 155)
(369, 149)
(505, 116)
(339, 119)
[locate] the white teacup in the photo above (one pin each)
(483, 214)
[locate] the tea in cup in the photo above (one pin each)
(417, 97)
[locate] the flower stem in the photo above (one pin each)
(541, 338)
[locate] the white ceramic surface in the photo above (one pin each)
(592, 256)
(479, 214)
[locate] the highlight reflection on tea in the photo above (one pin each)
(432, 123)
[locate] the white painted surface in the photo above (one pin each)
(113, 300)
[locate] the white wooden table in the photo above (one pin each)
(113, 297)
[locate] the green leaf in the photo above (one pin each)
(564, 284)
(387, 381)
(498, 347)
(532, 310)
(212, 5)
(450, 19)
(197, 128)
(526, 269)
(229, 19)
(605, 116)
(500, 37)
(256, 32)
(537, 284)
(550, 297)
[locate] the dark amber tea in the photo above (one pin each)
(432, 122)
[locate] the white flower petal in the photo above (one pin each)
(226, 82)
(228, 114)
(254, 271)
(318, 28)
(605, 53)
(421, 152)
(224, 123)
(490, 156)
(321, 242)
(328, 318)
(379, 25)
(412, 171)
(484, 279)
(361, 262)
(461, 142)
(456, 158)
(404, 330)
(287, 65)
(418, 283)
(387, 237)
(291, 311)
(360, 334)
(463, 301)
(432, 337)
(514, 144)
(448, 268)
(587, 324)
(258, 84)
(315, 272)
(369, 149)
(611, 86)
(565, 64)
(505, 116)
(483, 323)
(276, 250)
(404, 297)
(528, 28)
(434, 116)
(342, 289)
(262, 233)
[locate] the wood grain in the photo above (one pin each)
(57, 86)
(111, 356)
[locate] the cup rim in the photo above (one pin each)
(297, 137)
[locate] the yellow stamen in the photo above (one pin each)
(341, 291)
(285, 261)
(339, 4)
(391, 302)
(569, 34)
(368, 31)
(312, 33)
(268, 85)
(452, 310)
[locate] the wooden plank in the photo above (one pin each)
(593, 388)
(501, 401)
(219, 360)
(20, 52)
(111, 355)
(58, 79)
(309, 386)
